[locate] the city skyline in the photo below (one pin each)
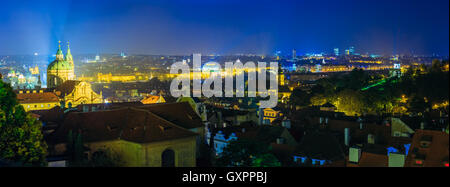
(180, 27)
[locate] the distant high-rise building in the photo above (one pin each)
(336, 51)
(97, 58)
(294, 54)
(352, 50)
(347, 52)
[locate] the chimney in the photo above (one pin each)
(347, 136)
(286, 124)
(354, 154)
(396, 160)
(280, 140)
(370, 139)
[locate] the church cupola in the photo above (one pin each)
(59, 70)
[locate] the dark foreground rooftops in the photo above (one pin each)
(129, 124)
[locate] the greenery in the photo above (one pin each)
(247, 153)
(419, 89)
(21, 138)
(100, 158)
(300, 98)
(105, 158)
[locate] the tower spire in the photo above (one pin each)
(59, 54)
(69, 57)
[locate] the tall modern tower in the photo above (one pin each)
(294, 54)
(336, 51)
(352, 50)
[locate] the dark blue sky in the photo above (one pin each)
(224, 26)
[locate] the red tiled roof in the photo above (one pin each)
(130, 124)
(181, 114)
(46, 97)
(67, 87)
(56, 114)
(435, 154)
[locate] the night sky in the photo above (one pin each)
(225, 26)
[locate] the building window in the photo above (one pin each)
(419, 162)
(168, 158)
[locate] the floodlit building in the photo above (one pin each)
(62, 83)
(33, 100)
(61, 69)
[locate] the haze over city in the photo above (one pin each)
(178, 27)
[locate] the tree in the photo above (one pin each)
(21, 138)
(75, 150)
(318, 100)
(350, 102)
(417, 105)
(247, 153)
(299, 98)
(104, 158)
(266, 160)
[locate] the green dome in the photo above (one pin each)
(59, 65)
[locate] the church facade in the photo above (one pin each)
(61, 81)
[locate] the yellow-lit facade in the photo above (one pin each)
(39, 106)
(37, 100)
(82, 94)
(271, 114)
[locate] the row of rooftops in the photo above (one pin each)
(125, 121)
(331, 126)
(46, 95)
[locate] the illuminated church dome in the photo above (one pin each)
(60, 70)
(59, 63)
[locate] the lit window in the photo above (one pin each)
(446, 164)
(419, 162)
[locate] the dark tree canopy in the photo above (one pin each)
(21, 138)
